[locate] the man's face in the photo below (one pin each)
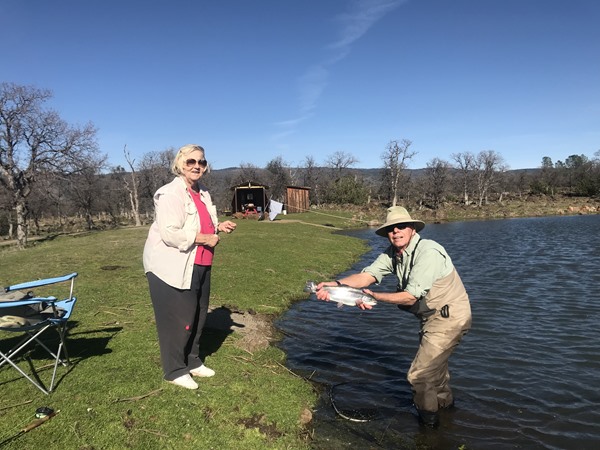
(400, 234)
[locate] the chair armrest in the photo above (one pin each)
(37, 283)
(29, 301)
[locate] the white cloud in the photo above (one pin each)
(360, 18)
(353, 24)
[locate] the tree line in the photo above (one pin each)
(54, 178)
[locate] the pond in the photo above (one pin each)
(526, 376)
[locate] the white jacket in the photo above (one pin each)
(170, 250)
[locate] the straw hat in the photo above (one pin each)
(396, 215)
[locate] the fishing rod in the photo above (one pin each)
(331, 215)
(43, 415)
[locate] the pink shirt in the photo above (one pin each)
(204, 254)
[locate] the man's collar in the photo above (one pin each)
(410, 247)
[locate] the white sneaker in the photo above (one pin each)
(185, 381)
(202, 371)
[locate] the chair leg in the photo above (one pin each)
(56, 361)
(34, 382)
(61, 351)
(62, 348)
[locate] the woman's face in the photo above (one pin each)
(194, 166)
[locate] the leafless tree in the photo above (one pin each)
(437, 174)
(465, 163)
(488, 167)
(132, 187)
(279, 177)
(313, 179)
(34, 139)
(395, 162)
(340, 161)
(548, 176)
(518, 182)
(85, 187)
(46, 200)
(154, 171)
(249, 173)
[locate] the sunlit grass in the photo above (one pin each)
(114, 397)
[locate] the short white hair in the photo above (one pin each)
(182, 154)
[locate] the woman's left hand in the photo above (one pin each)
(228, 226)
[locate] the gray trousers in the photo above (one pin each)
(180, 315)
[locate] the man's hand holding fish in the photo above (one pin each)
(342, 294)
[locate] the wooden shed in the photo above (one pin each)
(249, 194)
(297, 199)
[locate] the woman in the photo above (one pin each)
(178, 257)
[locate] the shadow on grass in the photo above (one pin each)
(218, 326)
(78, 348)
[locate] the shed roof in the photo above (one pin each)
(249, 185)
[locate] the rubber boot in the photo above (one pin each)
(430, 419)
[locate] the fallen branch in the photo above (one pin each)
(112, 324)
(295, 374)
(15, 405)
(156, 433)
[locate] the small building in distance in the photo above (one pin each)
(249, 195)
(297, 199)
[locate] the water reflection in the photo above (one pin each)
(526, 375)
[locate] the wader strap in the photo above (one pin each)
(419, 308)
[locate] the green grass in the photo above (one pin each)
(113, 396)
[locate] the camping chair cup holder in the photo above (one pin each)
(28, 317)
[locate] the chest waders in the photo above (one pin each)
(440, 334)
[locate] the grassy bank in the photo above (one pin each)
(113, 396)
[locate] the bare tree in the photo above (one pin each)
(339, 161)
(132, 188)
(313, 179)
(248, 173)
(395, 162)
(154, 171)
(488, 167)
(85, 186)
(45, 200)
(33, 139)
(465, 163)
(437, 174)
(280, 178)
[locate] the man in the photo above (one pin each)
(430, 288)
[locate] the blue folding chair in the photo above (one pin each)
(24, 314)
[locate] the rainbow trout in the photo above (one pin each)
(343, 295)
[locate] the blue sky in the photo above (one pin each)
(254, 80)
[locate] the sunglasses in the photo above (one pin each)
(400, 226)
(192, 162)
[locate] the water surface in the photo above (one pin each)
(526, 376)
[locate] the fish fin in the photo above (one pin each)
(340, 305)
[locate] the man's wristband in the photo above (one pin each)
(339, 283)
